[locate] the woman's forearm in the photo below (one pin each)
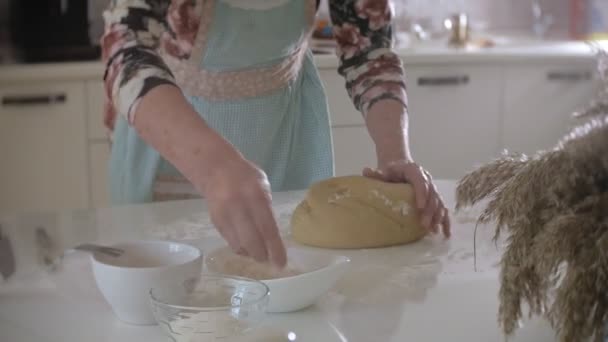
(167, 122)
(387, 123)
(237, 193)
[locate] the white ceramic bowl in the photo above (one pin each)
(320, 272)
(125, 281)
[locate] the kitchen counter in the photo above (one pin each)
(438, 54)
(425, 291)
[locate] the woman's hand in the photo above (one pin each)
(238, 193)
(239, 199)
(434, 214)
(387, 122)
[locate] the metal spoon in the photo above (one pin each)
(93, 248)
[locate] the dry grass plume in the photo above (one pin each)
(553, 209)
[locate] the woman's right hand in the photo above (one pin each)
(237, 192)
(239, 199)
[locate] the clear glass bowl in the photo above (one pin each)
(210, 308)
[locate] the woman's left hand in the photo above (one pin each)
(434, 213)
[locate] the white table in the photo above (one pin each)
(426, 291)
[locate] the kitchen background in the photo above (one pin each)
(514, 16)
(518, 95)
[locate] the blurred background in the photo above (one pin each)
(482, 76)
(76, 25)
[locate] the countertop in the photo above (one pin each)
(417, 55)
(425, 291)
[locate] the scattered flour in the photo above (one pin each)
(399, 206)
(199, 225)
(338, 195)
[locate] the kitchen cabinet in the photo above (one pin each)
(98, 145)
(99, 156)
(463, 109)
(540, 100)
(42, 147)
(341, 108)
(352, 146)
(353, 150)
(95, 99)
(454, 117)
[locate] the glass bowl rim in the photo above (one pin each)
(262, 298)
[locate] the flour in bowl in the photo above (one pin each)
(225, 261)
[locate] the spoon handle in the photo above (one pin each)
(111, 251)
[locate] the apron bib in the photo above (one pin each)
(252, 78)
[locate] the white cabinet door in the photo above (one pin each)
(353, 150)
(341, 109)
(99, 155)
(454, 117)
(540, 100)
(95, 97)
(43, 147)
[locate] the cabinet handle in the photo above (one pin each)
(443, 81)
(569, 76)
(28, 100)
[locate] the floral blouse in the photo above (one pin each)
(136, 30)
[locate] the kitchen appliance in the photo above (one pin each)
(51, 30)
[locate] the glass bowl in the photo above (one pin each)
(210, 308)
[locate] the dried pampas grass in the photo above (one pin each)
(600, 105)
(553, 209)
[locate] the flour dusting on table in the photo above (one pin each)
(200, 226)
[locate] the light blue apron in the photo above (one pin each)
(285, 132)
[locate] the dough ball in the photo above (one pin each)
(357, 212)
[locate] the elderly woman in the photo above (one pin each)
(221, 99)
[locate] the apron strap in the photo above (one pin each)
(238, 84)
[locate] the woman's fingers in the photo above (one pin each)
(230, 235)
(437, 220)
(441, 219)
(268, 229)
(429, 211)
(415, 176)
(373, 173)
(243, 223)
(224, 226)
(433, 214)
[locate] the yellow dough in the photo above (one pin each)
(357, 212)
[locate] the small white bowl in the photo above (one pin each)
(125, 281)
(319, 273)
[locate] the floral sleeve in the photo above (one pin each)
(372, 70)
(134, 31)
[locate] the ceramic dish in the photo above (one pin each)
(308, 277)
(125, 281)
